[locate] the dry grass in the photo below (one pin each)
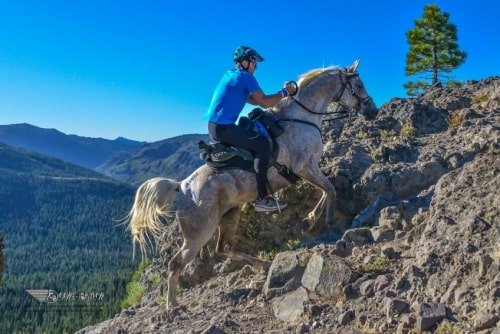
(448, 328)
(480, 98)
(387, 133)
(455, 120)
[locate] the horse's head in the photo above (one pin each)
(353, 93)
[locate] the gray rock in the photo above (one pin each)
(327, 275)
(314, 310)
(381, 282)
(402, 329)
(290, 306)
(284, 275)
(390, 217)
(358, 236)
(367, 288)
(346, 317)
(302, 328)
(350, 291)
(485, 321)
(382, 234)
(449, 295)
(342, 248)
(485, 262)
(428, 315)
(390, 253)
(395, 307)
(460, 294)
(212, 329)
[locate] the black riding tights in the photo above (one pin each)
(240, 137)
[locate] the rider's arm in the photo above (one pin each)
(265, 101)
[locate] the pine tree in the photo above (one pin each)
(434, 50)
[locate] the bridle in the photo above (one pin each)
(346, 85)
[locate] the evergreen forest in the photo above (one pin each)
(61, 235)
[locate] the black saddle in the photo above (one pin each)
(223, 156)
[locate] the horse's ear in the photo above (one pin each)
(355, 65)
(353, 68)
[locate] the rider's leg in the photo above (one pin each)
(240, 137)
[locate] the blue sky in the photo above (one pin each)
(146, 70)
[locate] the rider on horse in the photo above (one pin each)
(237, 87)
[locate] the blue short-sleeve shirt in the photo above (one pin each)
(230, 96)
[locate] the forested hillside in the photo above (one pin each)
(60, 233)
(1, 259)
(174, 158)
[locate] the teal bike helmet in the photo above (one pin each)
(246, 53)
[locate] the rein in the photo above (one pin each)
(339, 95)
(294, 120)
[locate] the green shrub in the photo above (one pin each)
(135, 291)
(154, 278)
(387, 133)
(134, 288)
(477, 99)
(361, 135)
(162, 300)
(408, 130)
(378, 264)
(454, 84)
(489, 216)
(448, 328)
(267, 255)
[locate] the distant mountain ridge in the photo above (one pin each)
(174, 158)
(83, 151)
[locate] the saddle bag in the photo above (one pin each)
(268, 120)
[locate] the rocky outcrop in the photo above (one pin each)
(416, 246)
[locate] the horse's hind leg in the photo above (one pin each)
(175, 267)
(227, 231)
(318, 179)
(191, 246)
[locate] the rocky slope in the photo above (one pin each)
(416, 246)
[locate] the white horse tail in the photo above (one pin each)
(153, 200)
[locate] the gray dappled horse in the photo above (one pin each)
(209, 199)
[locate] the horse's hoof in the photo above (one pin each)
(306, 226)
(265, 265)
(172, 306)
(173, 312)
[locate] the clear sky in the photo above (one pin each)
(146, 70)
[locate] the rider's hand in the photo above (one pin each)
(291, 89)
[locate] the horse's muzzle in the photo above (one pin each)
(368, 109)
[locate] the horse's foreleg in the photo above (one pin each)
(227, 230)
(318, 179)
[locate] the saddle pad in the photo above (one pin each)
(234, 162)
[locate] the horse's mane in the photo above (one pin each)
(305, 80)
